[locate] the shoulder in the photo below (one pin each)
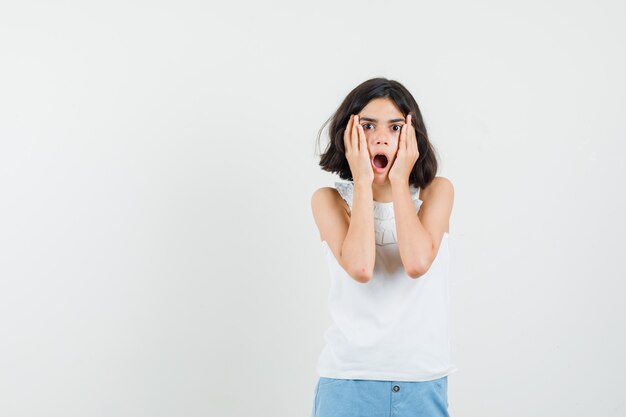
(323, 194)
(438, 188)
(326, 197)
(435, 214)
(332, 216)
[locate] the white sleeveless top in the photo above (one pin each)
(394, 327)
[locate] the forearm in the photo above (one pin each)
(359, 250)
(414, 241)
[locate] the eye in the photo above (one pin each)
(399, 128)
(366, 124)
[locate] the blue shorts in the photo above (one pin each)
(368, 398)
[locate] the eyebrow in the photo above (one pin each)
(369, 119)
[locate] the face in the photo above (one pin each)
(382, 123)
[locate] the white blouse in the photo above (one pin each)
(394, 327)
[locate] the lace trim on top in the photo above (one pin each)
(384, 222)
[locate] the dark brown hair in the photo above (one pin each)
(334, 157)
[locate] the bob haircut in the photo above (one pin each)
(334, 157)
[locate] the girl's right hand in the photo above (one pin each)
(357, 154)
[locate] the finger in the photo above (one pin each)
(410, 133)
(346, 135)
(362, 141)
(355, 136)
(402, 143)
(413, 136)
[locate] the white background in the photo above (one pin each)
(158, 252)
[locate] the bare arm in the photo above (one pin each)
(349, 237)
(419, 238)
(359, 247)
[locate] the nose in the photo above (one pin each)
(381, 139)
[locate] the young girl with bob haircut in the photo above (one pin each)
(384, 231)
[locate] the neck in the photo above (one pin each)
(381, 192)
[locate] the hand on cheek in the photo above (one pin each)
(357, 152)
(406, 155)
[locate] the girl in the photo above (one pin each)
(385, 235)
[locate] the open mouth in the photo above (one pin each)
(380, 161)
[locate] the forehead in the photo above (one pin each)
(383, 107)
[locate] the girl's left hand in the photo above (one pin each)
(407, 153)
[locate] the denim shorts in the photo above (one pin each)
(369, 398)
